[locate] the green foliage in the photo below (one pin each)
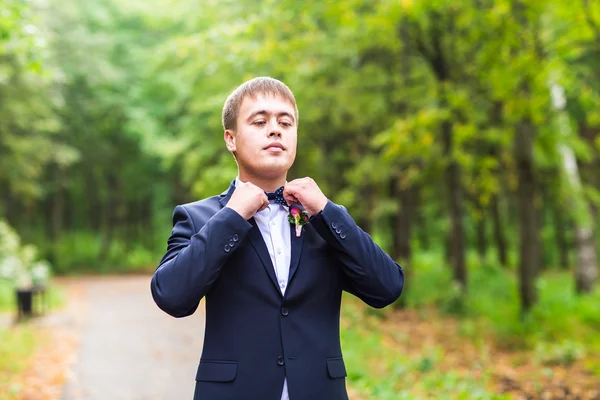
(19, 263)
(77, 251)
(111, 116)
(433, 288)
(492, 306)
(82, 252)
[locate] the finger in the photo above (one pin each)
(291, 193)
(291, 199)
(260, 201)
(290, 188)
(264, 204)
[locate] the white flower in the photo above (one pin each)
(10, 267)
(18, 263)
(40, 271)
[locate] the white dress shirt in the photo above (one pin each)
(275, 229)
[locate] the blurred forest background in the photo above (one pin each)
(464, 136)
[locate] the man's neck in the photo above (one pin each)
(268, 185)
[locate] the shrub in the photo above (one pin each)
(19, 264)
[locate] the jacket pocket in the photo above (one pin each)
(336, 367)
(216, 371)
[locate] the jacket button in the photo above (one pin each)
(226, 248)
(285, 312)
(338, 231)
(280, 361)
(236, 237)
(231, 243)
(334, 225)
(343, 235)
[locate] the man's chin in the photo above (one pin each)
(274, 171)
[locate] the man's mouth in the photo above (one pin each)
(275, 147)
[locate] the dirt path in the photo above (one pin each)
(111, 342)
(128, 348)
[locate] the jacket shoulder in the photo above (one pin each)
(209, 202)
(199, 212)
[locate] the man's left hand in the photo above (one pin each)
(306, 192)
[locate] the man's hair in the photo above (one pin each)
(251, 89)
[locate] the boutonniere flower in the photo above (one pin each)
(299, 218)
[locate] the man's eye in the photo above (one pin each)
(259, 123)
(286, 123)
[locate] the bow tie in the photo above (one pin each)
(277, 197)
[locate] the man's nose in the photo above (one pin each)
(274, 129)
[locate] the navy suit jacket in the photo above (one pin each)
(255, 336)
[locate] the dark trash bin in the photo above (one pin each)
(27, 303)
(24, 303)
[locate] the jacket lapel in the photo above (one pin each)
(226, 195)
(296, 244)
(261, 248)
(255, 238)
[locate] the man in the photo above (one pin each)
(273, 290)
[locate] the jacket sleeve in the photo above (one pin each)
(194, 259)
(370, 273)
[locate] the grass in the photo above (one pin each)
(17, 346)
(383, 371)
(18, 343)
(561, 330)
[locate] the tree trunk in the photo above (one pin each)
(110, 208)
(94, 204)
(47, 207)
(4, 191)
(58, 206)
(528, 227)
(542, 192)
(402, 227)
(455, 209)
(13, 209)
(407, 198)
(560, 227)
(422, 226)
(586, 271)
(365, 219)
(147, 222)
(499, 237)
(401, 221)
(481, 236)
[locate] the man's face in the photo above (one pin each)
(266, 135)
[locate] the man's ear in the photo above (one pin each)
(229, 137)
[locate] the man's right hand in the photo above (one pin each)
(248, 199)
